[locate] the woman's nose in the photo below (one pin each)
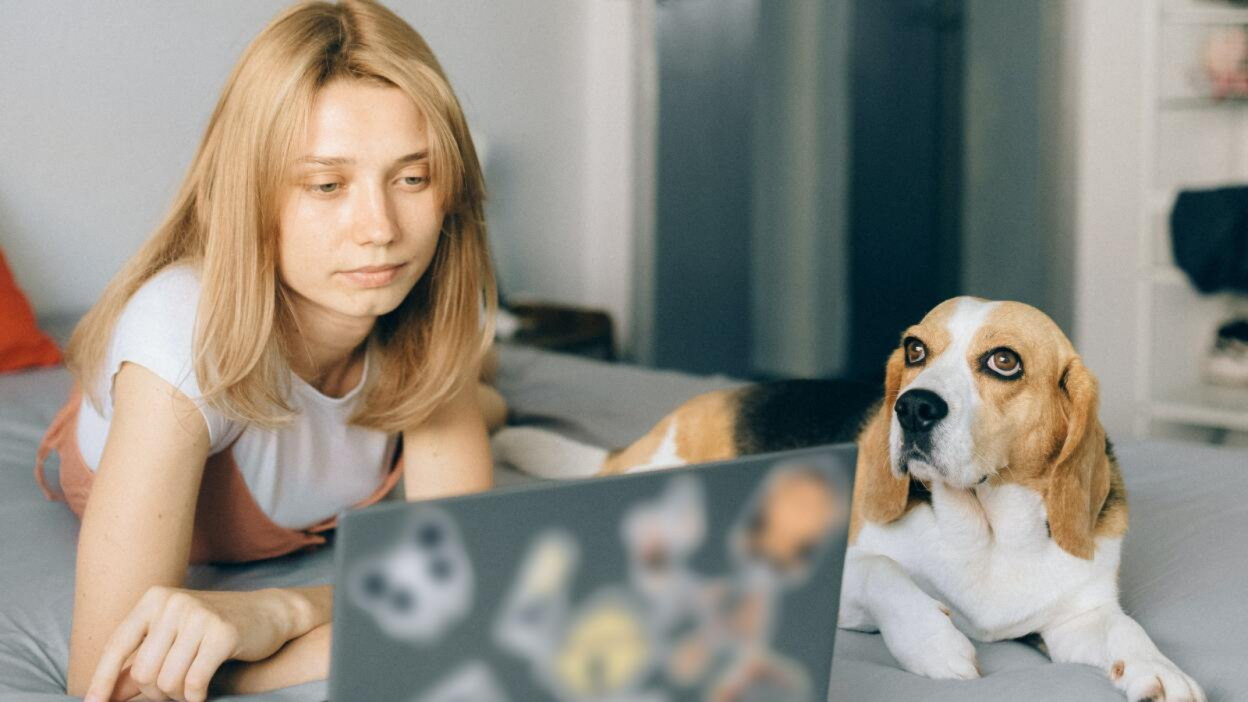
(374, 221)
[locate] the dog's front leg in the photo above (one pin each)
(1107, 638)
(878, 594)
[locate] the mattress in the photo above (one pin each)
(1185, 564)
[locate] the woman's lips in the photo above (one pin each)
(374, 276)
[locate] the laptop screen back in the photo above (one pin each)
(710, 582)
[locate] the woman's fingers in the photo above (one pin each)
(127, 688)
(213, 653)
(154, 649)
(125, 639)
(174, 641)
(172, 677)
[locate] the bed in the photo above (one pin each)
(1184, 576)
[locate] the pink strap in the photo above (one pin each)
(52, 438)
(40, 456)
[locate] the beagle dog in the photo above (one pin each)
(987, 501)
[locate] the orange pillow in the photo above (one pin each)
(22, 344)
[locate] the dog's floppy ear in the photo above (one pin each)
(1079, 479)
(880, 495)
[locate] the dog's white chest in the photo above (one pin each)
(988, 554)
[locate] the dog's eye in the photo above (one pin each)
(916, 352)
(1005, 363)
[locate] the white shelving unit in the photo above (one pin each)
(1190, 141)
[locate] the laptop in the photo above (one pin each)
(712, 582)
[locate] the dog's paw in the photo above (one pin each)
(930, 645)
(1154, 679)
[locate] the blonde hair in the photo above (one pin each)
(224, 221)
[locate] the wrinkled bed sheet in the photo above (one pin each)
(1184, 576)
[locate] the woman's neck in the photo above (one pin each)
(331, 355)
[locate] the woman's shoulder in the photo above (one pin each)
(162, 311)
(170, 291)
(156, 328)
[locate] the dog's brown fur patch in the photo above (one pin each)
(705, 430)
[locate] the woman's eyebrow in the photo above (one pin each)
(344, 161)
(413, 157)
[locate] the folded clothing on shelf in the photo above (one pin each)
(1209, 236)
(1227, 363)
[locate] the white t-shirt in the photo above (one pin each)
(299, 474)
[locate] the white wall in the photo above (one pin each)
(103, 104)
(1106, 51)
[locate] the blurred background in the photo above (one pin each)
(756, 188)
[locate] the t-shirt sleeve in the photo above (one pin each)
(156, 330)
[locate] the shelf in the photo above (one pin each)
(1204, 405)
(1195, 103)
(1205, 15)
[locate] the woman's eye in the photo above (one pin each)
(415, 180)
(324, 188)
(916, 352)
(1005, 363)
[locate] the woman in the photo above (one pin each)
(311, 303)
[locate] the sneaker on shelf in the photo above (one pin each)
(1227, 363)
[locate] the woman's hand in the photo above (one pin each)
(175, 640)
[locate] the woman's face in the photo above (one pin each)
(359, 219)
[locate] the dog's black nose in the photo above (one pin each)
(919, 410)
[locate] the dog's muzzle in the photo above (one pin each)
(919, 411)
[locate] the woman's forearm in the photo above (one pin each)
(304, 658)
(280, 632)
(311, 607)
(301, 660)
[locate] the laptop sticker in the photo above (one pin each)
(763, 678)
(536, 607)
(422, 586)
(774, 546)
(660, 536)
(474, 682)
(788, 523)
(607, 651)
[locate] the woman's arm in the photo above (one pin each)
(136, 530)
(302, 660)
(134, 631)
(449, 454)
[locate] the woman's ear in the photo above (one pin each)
(1079, 478)
(879, 494)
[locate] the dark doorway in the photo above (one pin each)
(905, 198)
(702, 262)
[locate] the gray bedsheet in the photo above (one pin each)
(1184, 575)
